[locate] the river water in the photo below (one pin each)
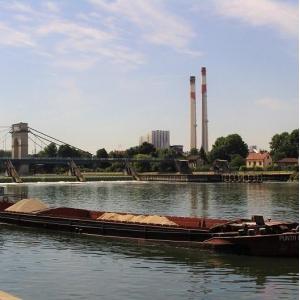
(37, 264)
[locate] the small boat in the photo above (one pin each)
(254, 236)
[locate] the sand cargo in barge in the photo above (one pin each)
(251, 237)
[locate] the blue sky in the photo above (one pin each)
(99, 73)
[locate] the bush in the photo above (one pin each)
(204, 168)
(258, 169)
(116, 167)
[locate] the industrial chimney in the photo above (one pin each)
(204, 111)
(193, 112)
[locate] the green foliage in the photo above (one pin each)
(49, 151)
(132, 151)
(226, 147)
(237, 161)
(203, 168)
(63, 151)
(4, 153)
(285, 145)
(101, 153)
(116, 154)
(203, 155)
(145, 148)
(116, 167)
(258, 169)
(142, 166)
(274, 168)
(255, 169)
(194, 151)
(68, 151)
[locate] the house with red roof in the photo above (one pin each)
(261, 159)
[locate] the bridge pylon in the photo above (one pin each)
(19, 134)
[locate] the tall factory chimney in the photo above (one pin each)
(193, 113)
(204, 111)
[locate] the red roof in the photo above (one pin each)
(258, 156)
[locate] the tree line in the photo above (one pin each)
(231, 148)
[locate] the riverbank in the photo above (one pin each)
(67, 178)
(280, 176)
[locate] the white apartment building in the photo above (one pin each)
(160, 139)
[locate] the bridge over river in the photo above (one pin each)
(20, 161)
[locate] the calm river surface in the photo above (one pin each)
(49, 265)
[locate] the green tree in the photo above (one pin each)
(226, 147)
(294, 141)
(237, 161)
(167, 163)
(117, 154)
(132, 151)
(194, 151)
(50, 150)
(203, 155)
(68, 151)
(101, 153)
(146, 148)
(4, 153)
(285, 145)
(143, 165)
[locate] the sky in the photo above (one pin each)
(100, 73)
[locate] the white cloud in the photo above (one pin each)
(51, 7)
(14, 38)
(271, 104)
(78, 64)
(17, 6)
(157, 25)
(89, 44)
(109, 31)
(279, 15)
(73, 30)
(22, 18)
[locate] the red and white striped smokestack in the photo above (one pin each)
(204, 111)
(193, 112)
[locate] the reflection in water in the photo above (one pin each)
(194, 200)
(199, 194)
(199, 268)
(224, 200)
(67, 266)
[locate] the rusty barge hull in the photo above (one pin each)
(191, 232)
(113, 229)
(284, 244)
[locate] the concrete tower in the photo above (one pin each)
(19, 143)
(204, 111)
(193, 113)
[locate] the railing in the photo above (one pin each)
(83, 159)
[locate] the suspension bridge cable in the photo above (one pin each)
(35, 143)
(4, 140)
(43, 138)
(40, 139)
(59, 140)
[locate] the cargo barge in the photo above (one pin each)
(253, 236)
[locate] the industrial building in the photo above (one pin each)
(160, 139)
